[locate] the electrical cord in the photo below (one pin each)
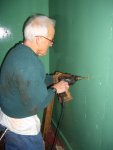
(58, 124)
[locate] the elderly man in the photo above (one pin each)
(25, 89)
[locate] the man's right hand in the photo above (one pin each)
(61, 87)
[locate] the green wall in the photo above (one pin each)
(12, 16)
(13, 13)
(84, 46)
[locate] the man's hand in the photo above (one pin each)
(61, 87)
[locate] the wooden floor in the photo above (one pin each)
(49, 141)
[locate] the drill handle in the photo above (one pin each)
(62, 96)
(65, 96)
(59, 76)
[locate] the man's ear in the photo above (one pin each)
(37, 40)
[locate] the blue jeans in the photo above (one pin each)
(15, 141)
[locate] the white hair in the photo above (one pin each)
(37, 25)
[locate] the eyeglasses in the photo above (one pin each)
(52, 41)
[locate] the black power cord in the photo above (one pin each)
(59, 122)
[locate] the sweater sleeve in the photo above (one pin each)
(48, 80)
(33, 91)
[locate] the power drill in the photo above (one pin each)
(71, 79)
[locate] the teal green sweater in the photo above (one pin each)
(23, 88)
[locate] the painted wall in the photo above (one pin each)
(12, 16)
(84, 46)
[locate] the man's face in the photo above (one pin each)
(46, 42)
